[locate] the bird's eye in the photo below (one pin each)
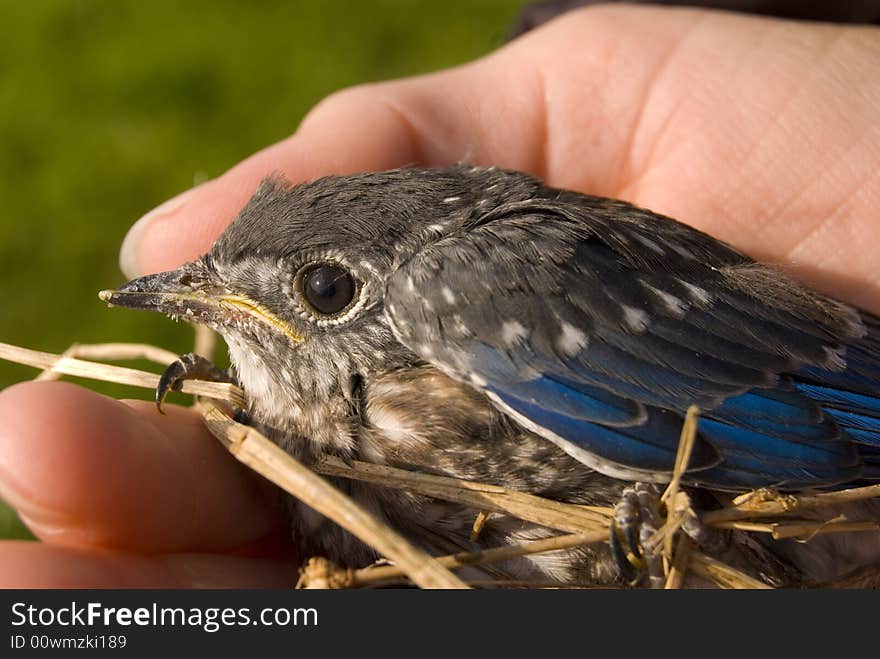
(328, 288)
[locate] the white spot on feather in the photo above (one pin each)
(448, 295)
(449, 200)
(512, 332)
(571, 340)
(835, 359)
(637, 319)
(676, 305)
(458, 326)
(699, 294)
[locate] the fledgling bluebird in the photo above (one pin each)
(474, 323)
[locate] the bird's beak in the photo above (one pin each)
(174, 294)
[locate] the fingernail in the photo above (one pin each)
(130, 252)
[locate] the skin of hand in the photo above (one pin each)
(760, 132)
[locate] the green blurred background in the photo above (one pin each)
(109, 107)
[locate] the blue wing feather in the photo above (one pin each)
(780, 405)
(579, 402)
(774, 451)
(651, 445)
(849, 401)
(776, 437)
(867, 437)
(787, 380)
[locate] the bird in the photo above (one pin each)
(473, 322)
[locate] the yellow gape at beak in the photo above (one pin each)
(165, 293)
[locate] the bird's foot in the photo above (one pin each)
(640, 525)
(188, 367)
(636, 520)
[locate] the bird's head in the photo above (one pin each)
(296, 284)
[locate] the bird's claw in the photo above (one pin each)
(636, 520)
(188, 367)
(638, 517)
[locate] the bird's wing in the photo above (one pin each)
(596, 324)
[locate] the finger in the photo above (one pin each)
(38, 565)
(88, 471)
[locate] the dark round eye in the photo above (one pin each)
(328, 288)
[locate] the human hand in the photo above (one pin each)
(759, 132)
(123, 497)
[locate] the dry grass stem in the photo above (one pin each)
(677, 507)
(768, 504)
(680, 561)
(804, 530)
(722, 574)
(480, 496)
(206, 342)
(118, 374)
(683, 455)
(666, 534)
(267, 459)
(110, 351)
(373, 575)
(493, 584)
(113, 351)
(808, 530)
(479, 524)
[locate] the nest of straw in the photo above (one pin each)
(761, 511)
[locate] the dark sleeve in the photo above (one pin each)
(854, 11)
